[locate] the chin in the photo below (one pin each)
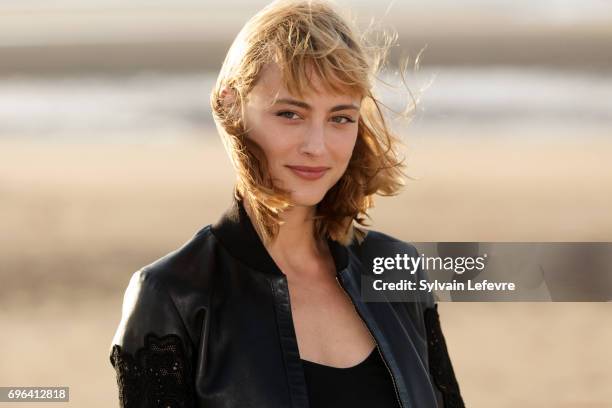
(307, 199)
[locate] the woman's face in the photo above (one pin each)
(308, 143)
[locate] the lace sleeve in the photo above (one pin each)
(150, 351)
(440, 365)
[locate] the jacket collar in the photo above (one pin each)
(237, 234)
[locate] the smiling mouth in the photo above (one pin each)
(309, 173)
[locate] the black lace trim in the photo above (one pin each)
(158, 376)
(439, 361)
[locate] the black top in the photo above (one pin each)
(367, 384)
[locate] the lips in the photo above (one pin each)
(309, 173)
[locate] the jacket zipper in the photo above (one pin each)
(375, 342)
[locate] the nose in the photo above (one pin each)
(313, 142)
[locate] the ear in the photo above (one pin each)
(228, 95)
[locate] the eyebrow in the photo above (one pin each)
(306, 106)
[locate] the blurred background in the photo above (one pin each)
(109, 159)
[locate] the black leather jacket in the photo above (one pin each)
(209, 325)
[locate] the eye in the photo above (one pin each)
(348, 119)
(286, 114)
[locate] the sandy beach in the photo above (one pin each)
(78, 219)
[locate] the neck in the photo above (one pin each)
(295, 248)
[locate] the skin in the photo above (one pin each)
(322, 135)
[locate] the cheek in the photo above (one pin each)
(342, 146)
(272, 140)
(279, 148)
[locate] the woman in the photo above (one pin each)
(263, 307)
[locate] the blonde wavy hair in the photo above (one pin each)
(298, 35)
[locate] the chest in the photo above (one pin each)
(329, 330)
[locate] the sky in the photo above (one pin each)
(91, 21)
(548, 10)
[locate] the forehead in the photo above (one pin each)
(270, 87)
